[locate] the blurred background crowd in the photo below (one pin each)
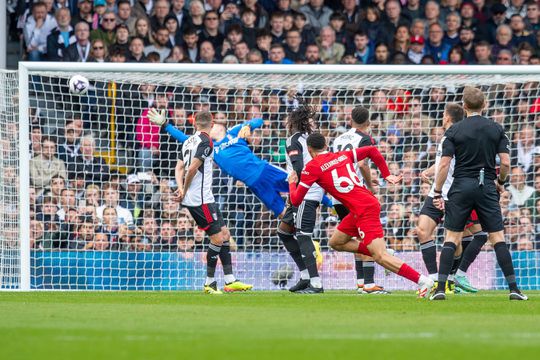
(279, 31)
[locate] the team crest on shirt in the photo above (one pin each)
(207, 151)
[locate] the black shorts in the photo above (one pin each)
(341, 211)
(431, 211)
(467, 195)
(302, 218)
(208, 218)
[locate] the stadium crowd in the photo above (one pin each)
(79, 201)
(280, 32)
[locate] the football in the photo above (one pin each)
(78, 85)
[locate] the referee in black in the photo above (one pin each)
(474, 142)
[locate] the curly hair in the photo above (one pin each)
(301, 120)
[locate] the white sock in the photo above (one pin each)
(461, 273)
(450, 277)
(360, 282)
(304, 275)
(209, 280)
(368, 286)
(424, 280)
(229, 279)
(316, 282)
(434, 277)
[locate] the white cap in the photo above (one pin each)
(132, 179)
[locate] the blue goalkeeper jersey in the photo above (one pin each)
(232, 154)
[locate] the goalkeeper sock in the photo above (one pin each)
(308, 253)
(445, 264)
(429, 254)
(505, 262)
(369, 272)
(226, 262)
(211, 261)
(291, 244)
(471, 252)
(359, 266)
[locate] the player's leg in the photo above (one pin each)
(470, 253)
(341, 212)
(490, 217)
(306, 217)
(232, 284)
(428, 220)
(286, 235)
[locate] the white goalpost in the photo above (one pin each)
(86, 180)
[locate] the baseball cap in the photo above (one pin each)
(99, 3)
(417, 40)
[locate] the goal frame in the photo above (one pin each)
(263, 69)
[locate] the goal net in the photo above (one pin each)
(101, 176)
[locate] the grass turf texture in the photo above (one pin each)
(266, 325)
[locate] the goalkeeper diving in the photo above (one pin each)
(233, 155)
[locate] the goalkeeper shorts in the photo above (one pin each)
(269, 186)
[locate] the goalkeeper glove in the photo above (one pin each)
(244, 132)
(157, 117)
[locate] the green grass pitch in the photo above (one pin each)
(266, 325)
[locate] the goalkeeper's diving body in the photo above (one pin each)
(233, 155)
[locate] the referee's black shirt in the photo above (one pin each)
(475, 141)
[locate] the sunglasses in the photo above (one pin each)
(108, 19)
(98, 48)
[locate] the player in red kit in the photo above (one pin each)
(335, 173)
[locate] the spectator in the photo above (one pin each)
(337, 23)
(382, 54)
(352, 14)
(142, 9)
(106, 32)
(70, 148)
(418, 28)
(264, 41)
(109, 226)
(125, 16)
(160, 10)
(80, 50)
(255, 57)
(122, 41)
(36, 30)
(300, 23)
(248, 20)
(148, 134)
(519, 32)
(241, 51)
(142, 30)
(98, 51)
(432, 13)
(453, 24)
(207, 53)
(276, 27)
(503, 40)
(518, 189)
(449, 6)
(160, 45)
(504, 57)
(516, 7)
(84, 237)
(191, 47)
(45, 166)
(277, 55)
(525, 53)
(417, 50)
(84, 13)
(401, 39)
(533, 16)
(167, 237)
(68, 200)
(94, 169)
(182, 15)
(467, 13)
(435, 46)
(61, 37)
(318, 15)
(482, 53)
(525, 149)
(456, 57)
(111, 199)
(210, 32)
(134, 197)
(136, 50)
(361, 51)
(489, 30)
(466, 37)
(330, 51)
(92, 195)
(392, 22)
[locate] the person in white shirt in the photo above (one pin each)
(111, 198)
(518, 189)
(36, 29)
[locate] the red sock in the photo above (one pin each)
(362, 249)
(409, 273)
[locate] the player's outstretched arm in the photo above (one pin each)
(244, 130)
(159, 118)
